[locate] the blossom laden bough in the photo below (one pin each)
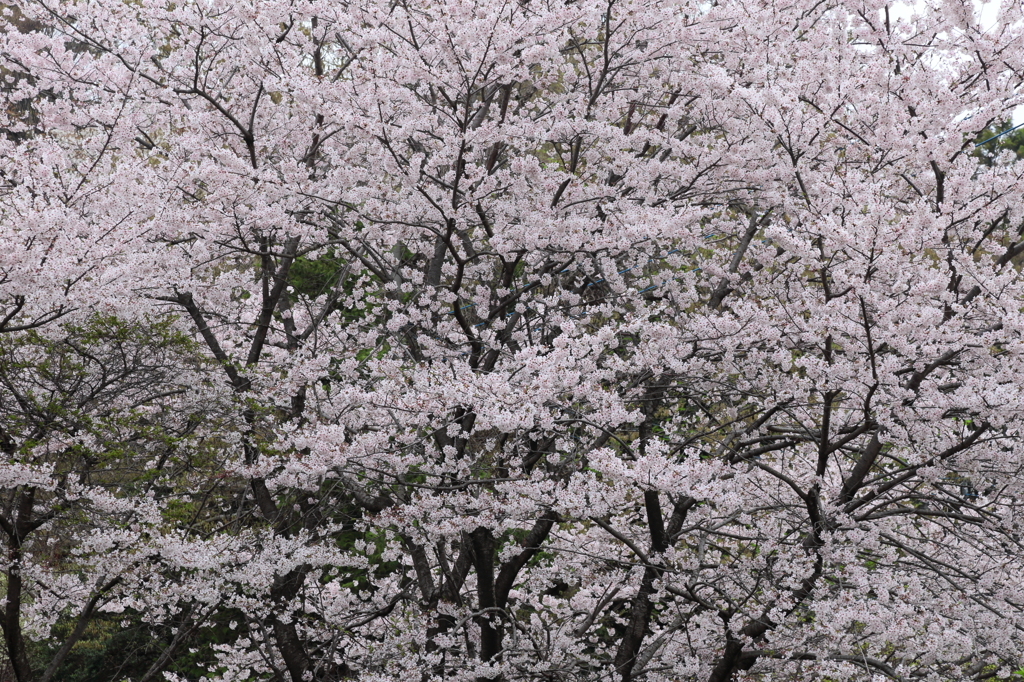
(634, 340)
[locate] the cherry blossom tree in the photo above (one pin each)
(484, 340)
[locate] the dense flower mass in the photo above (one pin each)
(624, 340)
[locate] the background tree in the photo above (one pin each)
(628, 340)
(998, 138)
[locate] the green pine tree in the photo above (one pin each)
(990, 146)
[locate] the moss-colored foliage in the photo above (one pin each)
(119, 647)
(59, 387)
(317, 278)
(1009, 141)
(113, 648)
(314, 278)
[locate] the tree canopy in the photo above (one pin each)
(633, 340)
